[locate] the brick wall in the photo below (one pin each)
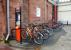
(13, 4)
(49, 13)
(2, 18)
(28, 9)
(46, 11)
(33, 4)
(24, 12)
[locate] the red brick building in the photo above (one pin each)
(44, 12)
(13, 5)
(33, 11)
(29, 11)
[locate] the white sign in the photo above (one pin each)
(38, 12)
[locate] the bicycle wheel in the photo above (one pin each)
(39, 38)
(45, 34)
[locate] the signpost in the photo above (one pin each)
(18, 24)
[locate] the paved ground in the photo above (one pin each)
(59, 41)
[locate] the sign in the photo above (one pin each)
(38, 12)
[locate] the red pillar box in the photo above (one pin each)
(18, 34)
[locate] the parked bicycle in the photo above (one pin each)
(34, 34)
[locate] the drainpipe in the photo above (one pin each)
(55, 10)
(7, 19)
